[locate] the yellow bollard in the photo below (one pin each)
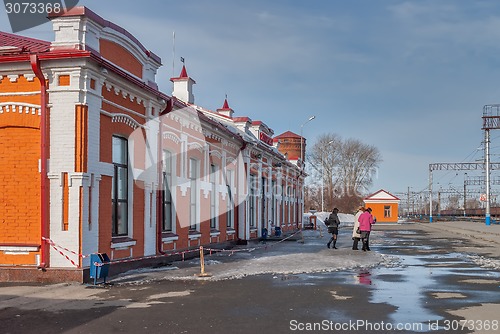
(202, 264)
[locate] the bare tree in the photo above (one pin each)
(453, 202)
(342, 169)
(323, 159)
(357, 166)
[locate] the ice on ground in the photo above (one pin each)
(485, 262)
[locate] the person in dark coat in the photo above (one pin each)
(333, 223)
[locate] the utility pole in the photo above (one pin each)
(465, 195)
(408, 202)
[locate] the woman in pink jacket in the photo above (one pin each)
(365, 226)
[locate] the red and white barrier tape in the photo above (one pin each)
(52, 243)
(65, 256)
(58, 248)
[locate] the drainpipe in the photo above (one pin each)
(35, 65)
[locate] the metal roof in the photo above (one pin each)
(9, 43)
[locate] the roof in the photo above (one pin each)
(225, 106)
(23, 44)
(288, 134)
(183, 76)
(381, 195)
(241, 119)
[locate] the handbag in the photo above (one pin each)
(358, 231)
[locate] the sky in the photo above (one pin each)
(408, 77)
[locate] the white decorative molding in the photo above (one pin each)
(172, 136)
(194, 236)
(20, 93)
(123, 245)
(130, 111)
(216, 153)
(21, 108)
(29, 76)
(13, 77)
(196, 146)
(170, 239)
(19, 250)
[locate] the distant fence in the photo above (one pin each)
(494, 212)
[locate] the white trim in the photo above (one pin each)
(20, 93)
(170, 239)
(194, 236)
(122, 108)
(122, 118)
(123, 245)
(19, 249)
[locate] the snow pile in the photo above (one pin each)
(286, 264)
(346, 219)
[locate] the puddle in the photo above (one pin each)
(419, 277)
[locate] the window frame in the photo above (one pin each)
(229, 199)
(119, 196)
(194, 172)
(213, 196)
(167, 200)
(387, 211)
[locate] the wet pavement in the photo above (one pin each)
(416, 279)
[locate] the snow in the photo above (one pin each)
(276, 258)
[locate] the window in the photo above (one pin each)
(229, 200)
(289, 194)
(387, 211)
(213, 196)
(193, 202)
(295, 204)
(273, 202)
(119, 190)
(264, 204)
(167, 191)
(251, 211)
(283, 204)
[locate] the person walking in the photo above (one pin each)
(374, 220)
(333, 227)
(355, 235)
(365, 226)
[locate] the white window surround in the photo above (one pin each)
(170, 239)
(194, 236)
(123, 245)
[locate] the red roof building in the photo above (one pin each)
(384, 205)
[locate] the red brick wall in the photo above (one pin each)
(20, 190)
(120, 56)
(19, 174)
